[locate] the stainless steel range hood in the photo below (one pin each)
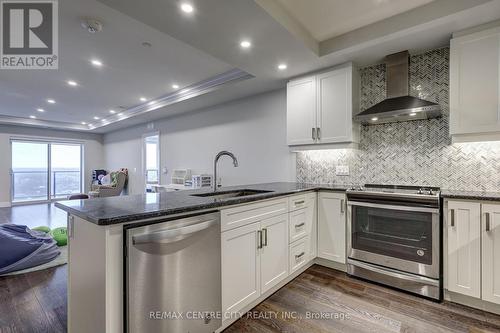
(398, 106)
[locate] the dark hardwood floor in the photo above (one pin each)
(36, 302)
(34, 215)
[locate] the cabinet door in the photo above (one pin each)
(240, 267)
(274, 252)
(464, 248)
(491, 253)
(331, 227)
(301, 111)
(474, 83)
(335, 106)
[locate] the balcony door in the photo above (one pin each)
(44, 171)
(151, 160)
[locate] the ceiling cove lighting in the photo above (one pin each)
(51, 101)
(187, 8)
(33, 117)
(413, 114)
(282, 67)
(40, 110)
(96, 63)
(72, 83)
(245, 44)
(374, 119)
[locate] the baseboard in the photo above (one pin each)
(472, 302)
(5, 204)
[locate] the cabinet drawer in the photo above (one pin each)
(299, 254)
(299, 225)
(297, 202)
(242, 215)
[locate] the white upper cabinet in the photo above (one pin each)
(474, 85)
(301, 111)
(320, 108)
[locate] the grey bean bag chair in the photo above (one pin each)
(21, 248)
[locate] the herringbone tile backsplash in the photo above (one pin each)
(408, 153)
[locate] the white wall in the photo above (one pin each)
(254, 129)
(93, 153)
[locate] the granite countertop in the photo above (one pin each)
(122, 209)
(470, 195)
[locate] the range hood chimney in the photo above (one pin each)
(398, 106)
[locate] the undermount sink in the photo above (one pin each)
(229, 194)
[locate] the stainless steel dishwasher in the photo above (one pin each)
(173, 276)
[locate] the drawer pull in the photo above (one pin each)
(300, 225)
(301, 254)
(452, 215)
(299, 202)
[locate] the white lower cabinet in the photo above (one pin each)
(274, 251)
(473, 253)
(299, 254)
(240, 267)
(464, 248)
(490, 231)
(332, 226)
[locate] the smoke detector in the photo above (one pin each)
(91, 25)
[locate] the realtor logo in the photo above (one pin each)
(29, 36)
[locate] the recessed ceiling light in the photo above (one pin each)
(33, 117)
(120, 114)
(374, 119)
(245, 44)
(151, 103)
(175, 86)
(413, 114)
(96, 62)
(96, 118)
(72, 83)
(187, 8)
(112, 111)
(84, 123)
(103, 120)
(143, 99)
(282, 67)
(51, 101)
(40, 110)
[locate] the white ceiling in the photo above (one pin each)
(325, 19)
(188, 49)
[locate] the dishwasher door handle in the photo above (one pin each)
(172, 235)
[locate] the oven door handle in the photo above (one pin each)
(394, 207)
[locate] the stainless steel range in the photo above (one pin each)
(394, 237)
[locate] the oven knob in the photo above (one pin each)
(420, 253)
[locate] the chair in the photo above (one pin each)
(102, 191)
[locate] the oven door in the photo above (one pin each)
(404, 238)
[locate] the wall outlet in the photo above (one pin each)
(342, 170)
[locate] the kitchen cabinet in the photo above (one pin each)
(332, 226)
(274, 251)
(240, 267)
(464, 248)
(490, 233)
(475, 86)
(320, 108)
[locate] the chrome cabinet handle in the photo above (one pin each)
(297, 256)
(300, 225)
(342, 210)
(172, 235)
(265, 237)
(299, 202)
(259, 239)
(314, 133)
(318, 133)
(452, 217)
(71, 226)
(487, 220)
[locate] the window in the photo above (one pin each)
(151, 163)
(42, 171)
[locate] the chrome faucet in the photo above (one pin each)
(217, 157)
